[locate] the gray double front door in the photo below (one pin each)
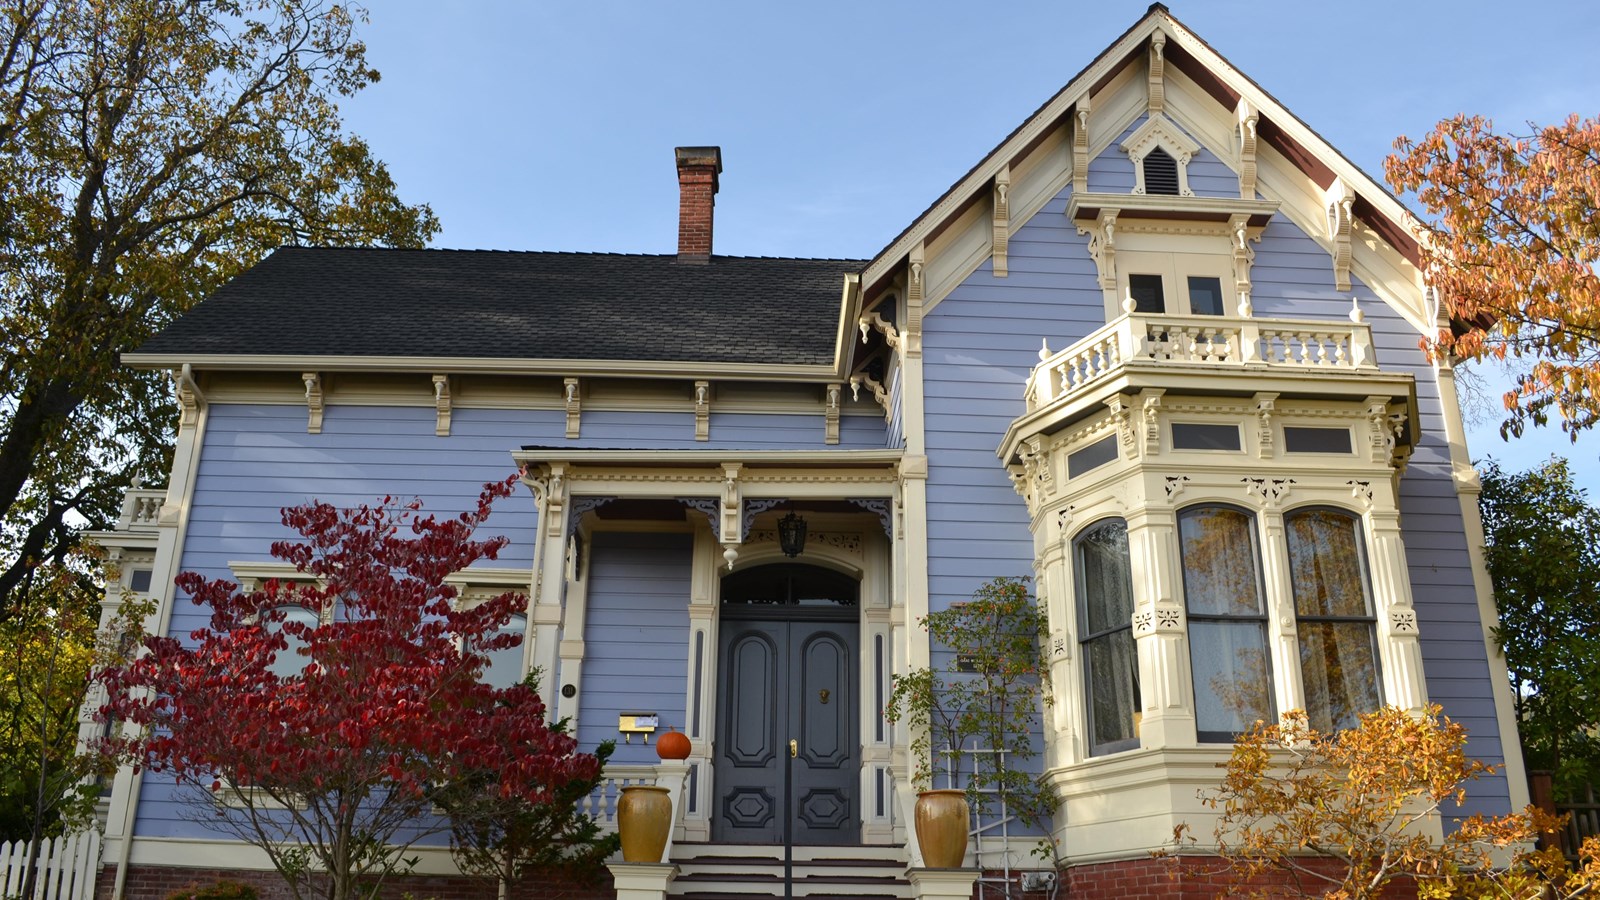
(788, 675)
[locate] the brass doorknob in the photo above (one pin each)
(794, 747)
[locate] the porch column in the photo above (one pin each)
(549, 579)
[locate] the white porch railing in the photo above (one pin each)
(602, 804)
(66, 867)
(141, 509)
(1214, 342)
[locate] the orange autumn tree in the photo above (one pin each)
(1347, 814)
(1511, 249)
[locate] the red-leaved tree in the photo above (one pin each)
(332, 769)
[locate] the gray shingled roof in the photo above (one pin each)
(302, 301)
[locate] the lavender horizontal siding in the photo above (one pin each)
(258, 458)
(981, 341)
(636, 637)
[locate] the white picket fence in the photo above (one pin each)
(67, 867)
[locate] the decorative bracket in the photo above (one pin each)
(834, 399)
(878, 393)
(1158, 44)
(702, 410)
(731, 526)
(1244, 256)
(190, 400)
(1339, 203)
(1080, 145)
(570, 388)
(1122, 415)
(1152, 419)
(1162, 618)
(1103, 250)
(1271, 490)
(1266, 404)
(313, 382)
(441, 404)
(884, 327)
(1249, 118)
(914, 293)
(1002, 219)
(554, 488)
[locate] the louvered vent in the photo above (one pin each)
(1160, 173)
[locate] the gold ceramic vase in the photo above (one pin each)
(941, 820)
(644, 819)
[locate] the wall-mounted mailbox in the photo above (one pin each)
(631, 724)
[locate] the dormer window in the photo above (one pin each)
(1160, 152)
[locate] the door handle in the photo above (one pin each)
(794, 748)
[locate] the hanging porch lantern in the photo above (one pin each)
(792, 535)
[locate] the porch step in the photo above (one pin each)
(709, 871)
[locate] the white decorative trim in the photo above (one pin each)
(1338, 206)
(1157, 91)
(1403, 621)
(702, 410)
(1272, 491)
(878, 393)
(571, 395)
(1080, 144)
(1159, 131)
(1249, 118)
(190, 400)
(1002, 219)
(834, 395)
(1265, 405)
(313, 383)
(441, 404)
(873, 319)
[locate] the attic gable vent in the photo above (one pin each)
(1160, 173)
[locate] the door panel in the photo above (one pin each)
(785, 681)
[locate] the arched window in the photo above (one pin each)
(790, 584)
(1334, 616)
(1227, 621)
(504, 667)
(1104, 582)
(291, 660)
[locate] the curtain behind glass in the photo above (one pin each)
(504, 667)
(1111, 662)
(1227, 624)
(1338, 659)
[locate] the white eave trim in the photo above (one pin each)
(622, 368)
(637, 458)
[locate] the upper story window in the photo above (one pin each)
(504, 666)
(1104, 583)
(1334, 616)
(1222, 587)
(1178, 283)
(292, 659)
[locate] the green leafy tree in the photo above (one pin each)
(1542, 550)
(149, 151)
(988, 696)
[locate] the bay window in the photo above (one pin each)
(1104, 583)
(1223, 591)
(1334, 616)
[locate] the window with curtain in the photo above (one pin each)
(1223, 592)
(504, 667)
(1104, 582)
(291, 661)
(1334, 616)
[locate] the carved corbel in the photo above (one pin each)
(1339, 204)
(1002, 219)
(441, 404)
(1158, 44)
(1266, 405)
(1272, 491)
(313, 382)
(570, 393)
(555, 499)
(1380, 431)
(884, 326)
(1080, 145)
(190, 400)
(702, 410)
(1037, 461)
(878, 393)
(1151, 398)
(1103, 250)
(914, 294)
(730, 527)
(1244, 256)
(834, 399)
(1122, 417)
(1249, 118)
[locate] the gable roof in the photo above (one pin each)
(303, 302)
(1186, 51)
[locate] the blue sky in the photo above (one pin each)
(550, 126)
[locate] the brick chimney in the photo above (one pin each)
(698, 168)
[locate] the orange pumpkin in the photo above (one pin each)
(673, 745)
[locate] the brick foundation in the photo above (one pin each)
(1189, 878)
(157, 882)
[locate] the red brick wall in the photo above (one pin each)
(697, 189)
(1186, 878)
(157, 882)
